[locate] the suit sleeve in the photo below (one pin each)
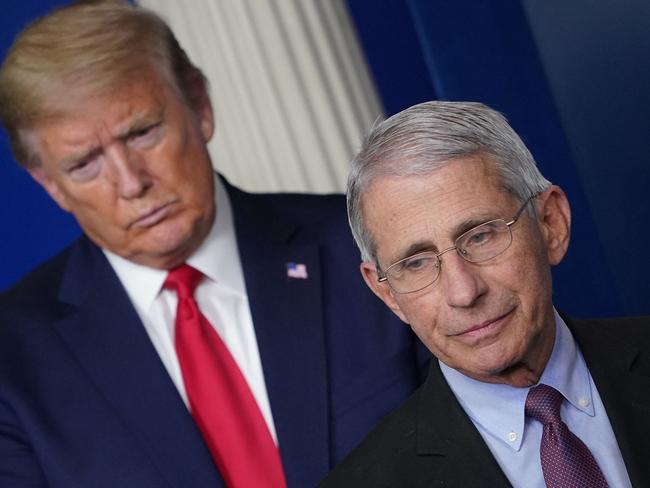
(19, 467)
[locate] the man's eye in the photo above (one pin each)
(479, 238)
(85, 169)
(78, 166)
(416, 264)
(142, 132)
(145, 135)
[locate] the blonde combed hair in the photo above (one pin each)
(83, 50)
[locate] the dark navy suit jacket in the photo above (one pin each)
(430, 441)
(86, 402)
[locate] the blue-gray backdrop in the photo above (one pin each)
(571, 77)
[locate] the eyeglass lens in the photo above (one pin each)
(479, 244)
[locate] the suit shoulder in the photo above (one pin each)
(385, 457)
(298, 206)
(311, 205)
(633, 330)
(37, 287)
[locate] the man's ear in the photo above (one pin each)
(50, 186)
(199, 101)
(554, 215)
(206, 119)
(380, 288)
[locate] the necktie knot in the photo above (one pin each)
(566, 460)
(543, 404)
(183, 279)
(220, 399)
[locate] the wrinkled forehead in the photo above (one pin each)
(81, 98)
(407, 214)
(71, 94)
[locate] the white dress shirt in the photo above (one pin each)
(497, 411)
(221, 296)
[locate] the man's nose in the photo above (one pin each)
(462, 282)
(130, 172)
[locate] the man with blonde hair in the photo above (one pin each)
(195, 335)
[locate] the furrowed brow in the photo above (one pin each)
(415, 248)
(73, 159)
(469, 224)
(138, 122)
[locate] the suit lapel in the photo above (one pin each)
(459, 456)
(108, 340)
(448, 436)
(287, 314)
(622, 381)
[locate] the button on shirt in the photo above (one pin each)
(497, 411)
(221, 297)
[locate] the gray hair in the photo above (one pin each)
(424, 137)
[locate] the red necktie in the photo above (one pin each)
(566, 460)
(221, 402)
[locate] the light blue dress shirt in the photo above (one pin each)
(497, 411)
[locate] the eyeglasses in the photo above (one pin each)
(479, 244)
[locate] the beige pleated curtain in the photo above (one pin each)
(289, 84)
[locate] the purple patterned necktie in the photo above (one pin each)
(566, 460)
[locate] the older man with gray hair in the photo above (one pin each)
(459, 230)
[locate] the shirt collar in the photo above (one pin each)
(217, 258)
(567, 371)
(503, 415)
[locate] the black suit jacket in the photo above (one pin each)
(86, 402)
(430, 441)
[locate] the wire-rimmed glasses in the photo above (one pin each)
(479, 244)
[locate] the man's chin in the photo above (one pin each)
(489, 371)
(514, 373)
(159, 256)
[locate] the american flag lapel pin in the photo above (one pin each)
(297, 271)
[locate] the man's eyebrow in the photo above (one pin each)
(415, 248)
(139, 122)
(72, 159)
(428, 245)
(471, 223)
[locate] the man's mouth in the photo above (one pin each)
(485, 328)
(152, 216)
